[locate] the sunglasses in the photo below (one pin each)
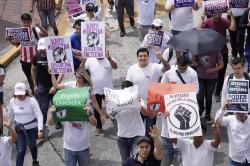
(156, 27)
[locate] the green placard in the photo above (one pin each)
(69, 104)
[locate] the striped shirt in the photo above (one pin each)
(45, 4)
(29, 49)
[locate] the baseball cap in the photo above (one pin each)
(41, 44)
(142, 139)
(20, 89)
(90, 7)
(157, 22)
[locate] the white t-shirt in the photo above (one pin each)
(152, 56)
(189, 76)
(25, 111)
(5, 151)
(76, 135)
(1, 74)
(130, 123)
(181, 18)
(101, 74)
(146, 10)
(172, 60)
(142, 76)
(239, 11)
(202, 156)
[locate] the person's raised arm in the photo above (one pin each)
(55, 82)
(158, 150)
(165, 64)
(112, 62)
(90, 115)
(50, 117)
(233, 21)
(215, 129)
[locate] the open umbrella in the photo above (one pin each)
(198, 41)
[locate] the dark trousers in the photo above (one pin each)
(26, 67)
(111, 2)
(234, 163)
(221, 74)
(129, 6)
(206, 88)
(21, 145)
(149, 123)
(99, 99)
(234, 38)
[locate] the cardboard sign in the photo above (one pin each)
(184, 119)
(93, 39)
(238, 3)
(59, 54)
(69, 104)
(155, 38)
(118, 100)
(183, 3)
(19, 34)
(214, 7)
(73, 7)
(238, 95)
(156, 92)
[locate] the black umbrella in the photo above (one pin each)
(198, 41)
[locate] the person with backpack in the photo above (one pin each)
(28, 49)
(238, 65)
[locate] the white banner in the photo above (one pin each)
(184, 119)
(117, 100)
(93, 39)
(59, 54)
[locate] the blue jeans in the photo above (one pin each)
(127, 147)
(171, 155)
(46, 15)
(71, 158)
(175, 32)
(44, 98)
(234, 163)
(21, 145)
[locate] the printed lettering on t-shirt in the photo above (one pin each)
(77, 125)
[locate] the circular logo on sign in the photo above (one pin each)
(61, 114)
(184, 117)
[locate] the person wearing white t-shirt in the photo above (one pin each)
(144, 72)
(100, 70)
(181, 18)
(199, 151)
(2, 76)
(172, 155)
(6, 144)
(157, 25)
(238, 131)
(146, 14)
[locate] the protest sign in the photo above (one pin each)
(215, 7)
(183, 3)
(118, 100)
(69, 104)
(59, 54)
(154, 38)
(237, 95)
(156, 92)
(238, 3)
(93, 39)
(184, 118)
(19, 34)
(73, 7)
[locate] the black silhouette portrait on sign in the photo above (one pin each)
(93, 39)
(59, 55)
(183, 115)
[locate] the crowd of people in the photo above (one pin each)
(139, 141)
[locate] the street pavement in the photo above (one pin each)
(104, 150)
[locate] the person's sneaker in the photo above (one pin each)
(45, 132)
(35, 163)
(134, 29)
(208, 119)
(122, 33)
(98, 132)
(217, 98)
(58, 125)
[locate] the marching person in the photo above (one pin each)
(2, 77)
(28, 121)
(146, 155)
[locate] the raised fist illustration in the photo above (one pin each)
(183, 115)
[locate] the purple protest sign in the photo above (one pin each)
(183, 3)
(73, 7)
(19, 34)
(155, 38)
(239, 3)
(215, 7)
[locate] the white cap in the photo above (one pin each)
(157, 22)
(41, 44)
(20, 89)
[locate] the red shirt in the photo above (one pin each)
(220, 27)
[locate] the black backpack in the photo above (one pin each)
(245, 75)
